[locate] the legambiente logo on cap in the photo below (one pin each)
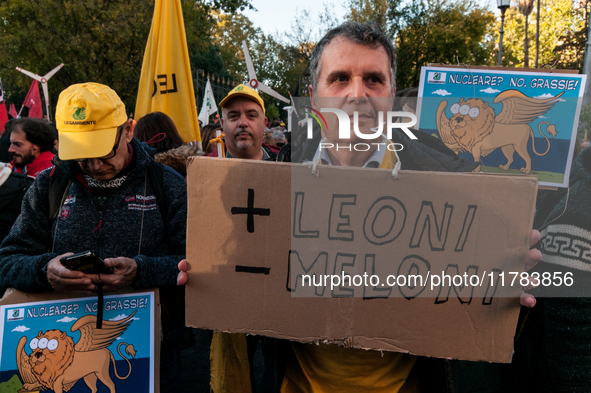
(79, 115)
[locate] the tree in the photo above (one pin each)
(441, 31)
(271, 112)
(369, 10)
(525, 7)
(97, 40)
(227, 34)
(562, 35)
(100, 41)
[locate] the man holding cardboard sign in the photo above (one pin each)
(243, 121)
(356, 63)
(361, 74)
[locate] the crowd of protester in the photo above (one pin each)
(552, 348)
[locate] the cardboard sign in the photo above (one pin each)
(247, 270)
(51, 342)
(510, 120)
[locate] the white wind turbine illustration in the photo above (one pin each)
(252, 77)
(290, 109)
(43, 80)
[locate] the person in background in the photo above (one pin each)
(162, 140)
(207, 134)
(32, 145)
(288, 136)
(159, 130)
(242, 140)
(13, 186)
(552, 351)
(278, 138)
(268, 139)
(5, 156)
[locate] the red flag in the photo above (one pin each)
(12, 111)
(3, 115)
(33, 101)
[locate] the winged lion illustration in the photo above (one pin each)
(475, 128)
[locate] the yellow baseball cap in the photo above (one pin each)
(244, 91)
(87, 117)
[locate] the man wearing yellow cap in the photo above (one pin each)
(112, 204)
(243, 121)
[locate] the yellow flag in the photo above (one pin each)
(166, 83)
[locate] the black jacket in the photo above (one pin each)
(11, 197)
(426, 153)
(125, 221)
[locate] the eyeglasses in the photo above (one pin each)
(113, 152)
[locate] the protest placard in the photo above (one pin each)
(256, 229)
(510, 120)
(49, 341)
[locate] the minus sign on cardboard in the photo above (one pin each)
(252, 269)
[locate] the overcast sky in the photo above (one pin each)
(273, 15)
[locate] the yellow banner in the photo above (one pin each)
(166, 83)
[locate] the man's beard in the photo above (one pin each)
(23, 160)
(244, 144)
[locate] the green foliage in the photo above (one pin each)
(210, 61)
(271, 112)
(279, 61)
(442, 31)
(562, 35)
(368, 11)
(227, 34)
(97, 40)
(100, 41)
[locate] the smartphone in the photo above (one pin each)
(86, 262)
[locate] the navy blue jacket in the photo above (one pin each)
(28, 247)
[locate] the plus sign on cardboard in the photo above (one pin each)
(423, 264)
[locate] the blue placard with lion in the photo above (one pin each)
(58, 346)
(508, 121)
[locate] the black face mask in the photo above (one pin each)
(280, 144)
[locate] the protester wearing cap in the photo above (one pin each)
(243, 122)
(141, 238)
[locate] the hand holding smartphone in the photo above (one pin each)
(86, 262)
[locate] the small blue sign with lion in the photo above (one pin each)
(57, 346)
(508, 121)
